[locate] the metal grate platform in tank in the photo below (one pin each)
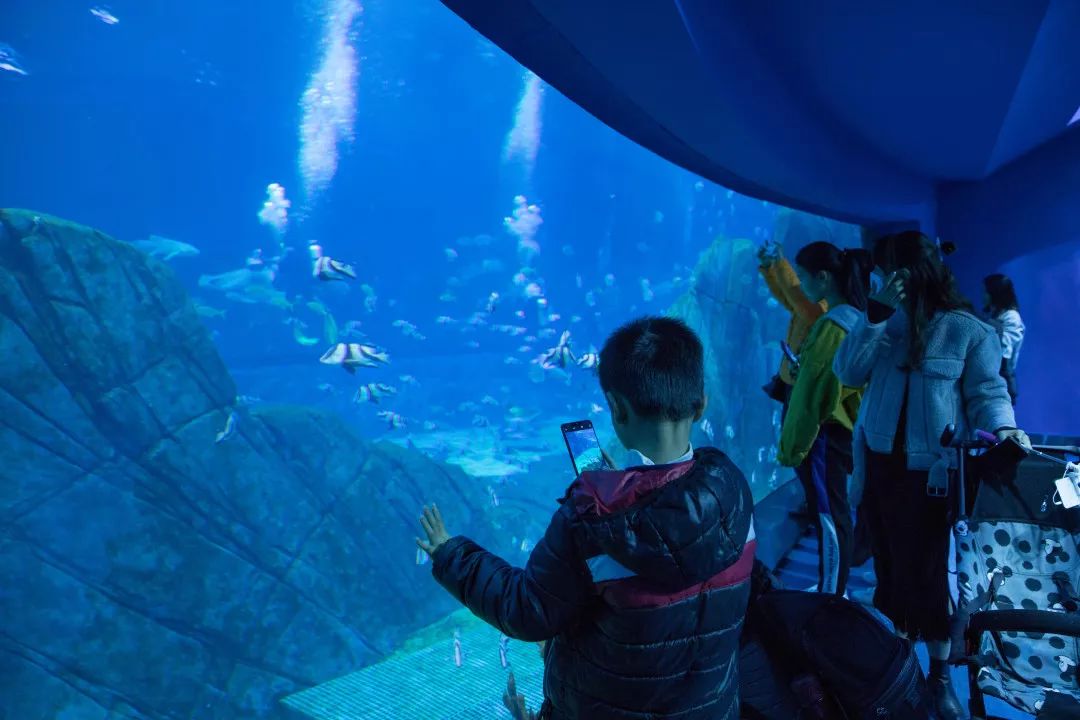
(425, 684)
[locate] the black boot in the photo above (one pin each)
(944, 700)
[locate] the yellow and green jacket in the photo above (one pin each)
(818, 396)
(786, 288)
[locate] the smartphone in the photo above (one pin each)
(789, 354)
(584, 446)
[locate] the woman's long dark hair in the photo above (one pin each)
(931, 286)
(1001, 292)
(849, 268)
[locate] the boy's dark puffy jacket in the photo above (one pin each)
(640, 584)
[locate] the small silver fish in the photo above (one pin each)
(707, 428)
(229, 429)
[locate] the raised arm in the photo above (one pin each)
(795, 299)
(534, 603)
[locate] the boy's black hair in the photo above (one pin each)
(657, 364)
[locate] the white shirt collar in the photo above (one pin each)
(636, 459)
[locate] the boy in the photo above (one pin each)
(641, 581)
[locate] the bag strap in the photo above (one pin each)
(962, 616)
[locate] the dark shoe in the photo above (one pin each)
(944, 700)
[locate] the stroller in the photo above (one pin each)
(1017, 622)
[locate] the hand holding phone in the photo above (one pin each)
(893, 290)
(584, 447)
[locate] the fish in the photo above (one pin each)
(706, 427)
(504, 648)
(409, 329)
(492, 302)
(260, 295)
(409, 380)
(207, 311)
(647, 293)
(451, 254)
(370, 299)
(494, 497)
(164, 248)
(299, 336)
(559, 356)
(589, 361)
(373, 392)
(236, 280)
(595, 409)
(9, 60)
(104, 15)
(327, 268)
(488, 400)
(458, 654)
(229, 429)
(353, 355)
(445, 320)
(421, 557)
(447, 297)
(393, 420)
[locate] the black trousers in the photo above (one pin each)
(824, 477)
(910, 533)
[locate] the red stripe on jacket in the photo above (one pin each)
(603, 492)
(634, 592)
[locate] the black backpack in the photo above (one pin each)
(828, 659)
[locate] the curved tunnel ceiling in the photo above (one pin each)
(860, 111)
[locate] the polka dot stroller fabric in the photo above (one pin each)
(1033, 560)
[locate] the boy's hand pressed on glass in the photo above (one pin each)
(432, 523)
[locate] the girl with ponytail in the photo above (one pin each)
(816, 435)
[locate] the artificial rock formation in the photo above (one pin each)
(147, 571)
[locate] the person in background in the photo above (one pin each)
(927, 361)
(816, 435)
(641, 581)
(1003, 313)
(784, 285)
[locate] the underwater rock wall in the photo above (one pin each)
(147, 571)
(725, 305)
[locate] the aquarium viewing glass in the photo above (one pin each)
(272, 277)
